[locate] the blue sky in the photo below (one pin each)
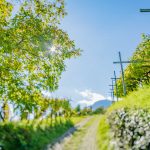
(100, 28)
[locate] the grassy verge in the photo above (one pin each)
(33, 135)
(139, 99)
(103, 135)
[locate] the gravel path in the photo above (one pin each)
(89, 140)
(81, 137)
(60, 142)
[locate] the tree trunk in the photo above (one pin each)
(5, 109)
(24, 115)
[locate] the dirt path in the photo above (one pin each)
(89, 140)
(84, 137)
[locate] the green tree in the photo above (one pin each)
(33, 50)
(99, 110)
(137, 74)
(78, 109)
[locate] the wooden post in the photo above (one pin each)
(116, 85)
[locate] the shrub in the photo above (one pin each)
(99, 110)
(127, 123)
(131, 129)
(31, 135)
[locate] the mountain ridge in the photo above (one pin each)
(101, 103)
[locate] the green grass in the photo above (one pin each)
(33, 135)
(103, 135)
(137, 99)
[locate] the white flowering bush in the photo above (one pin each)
(130, 129)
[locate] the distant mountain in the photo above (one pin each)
(102, 103)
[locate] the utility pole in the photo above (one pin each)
(115, 78)
(113, 90)
(116, 85)
(122, 72)
(121, 65)
(111, 94)
(112, 85)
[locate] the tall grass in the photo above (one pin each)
(139, 99)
